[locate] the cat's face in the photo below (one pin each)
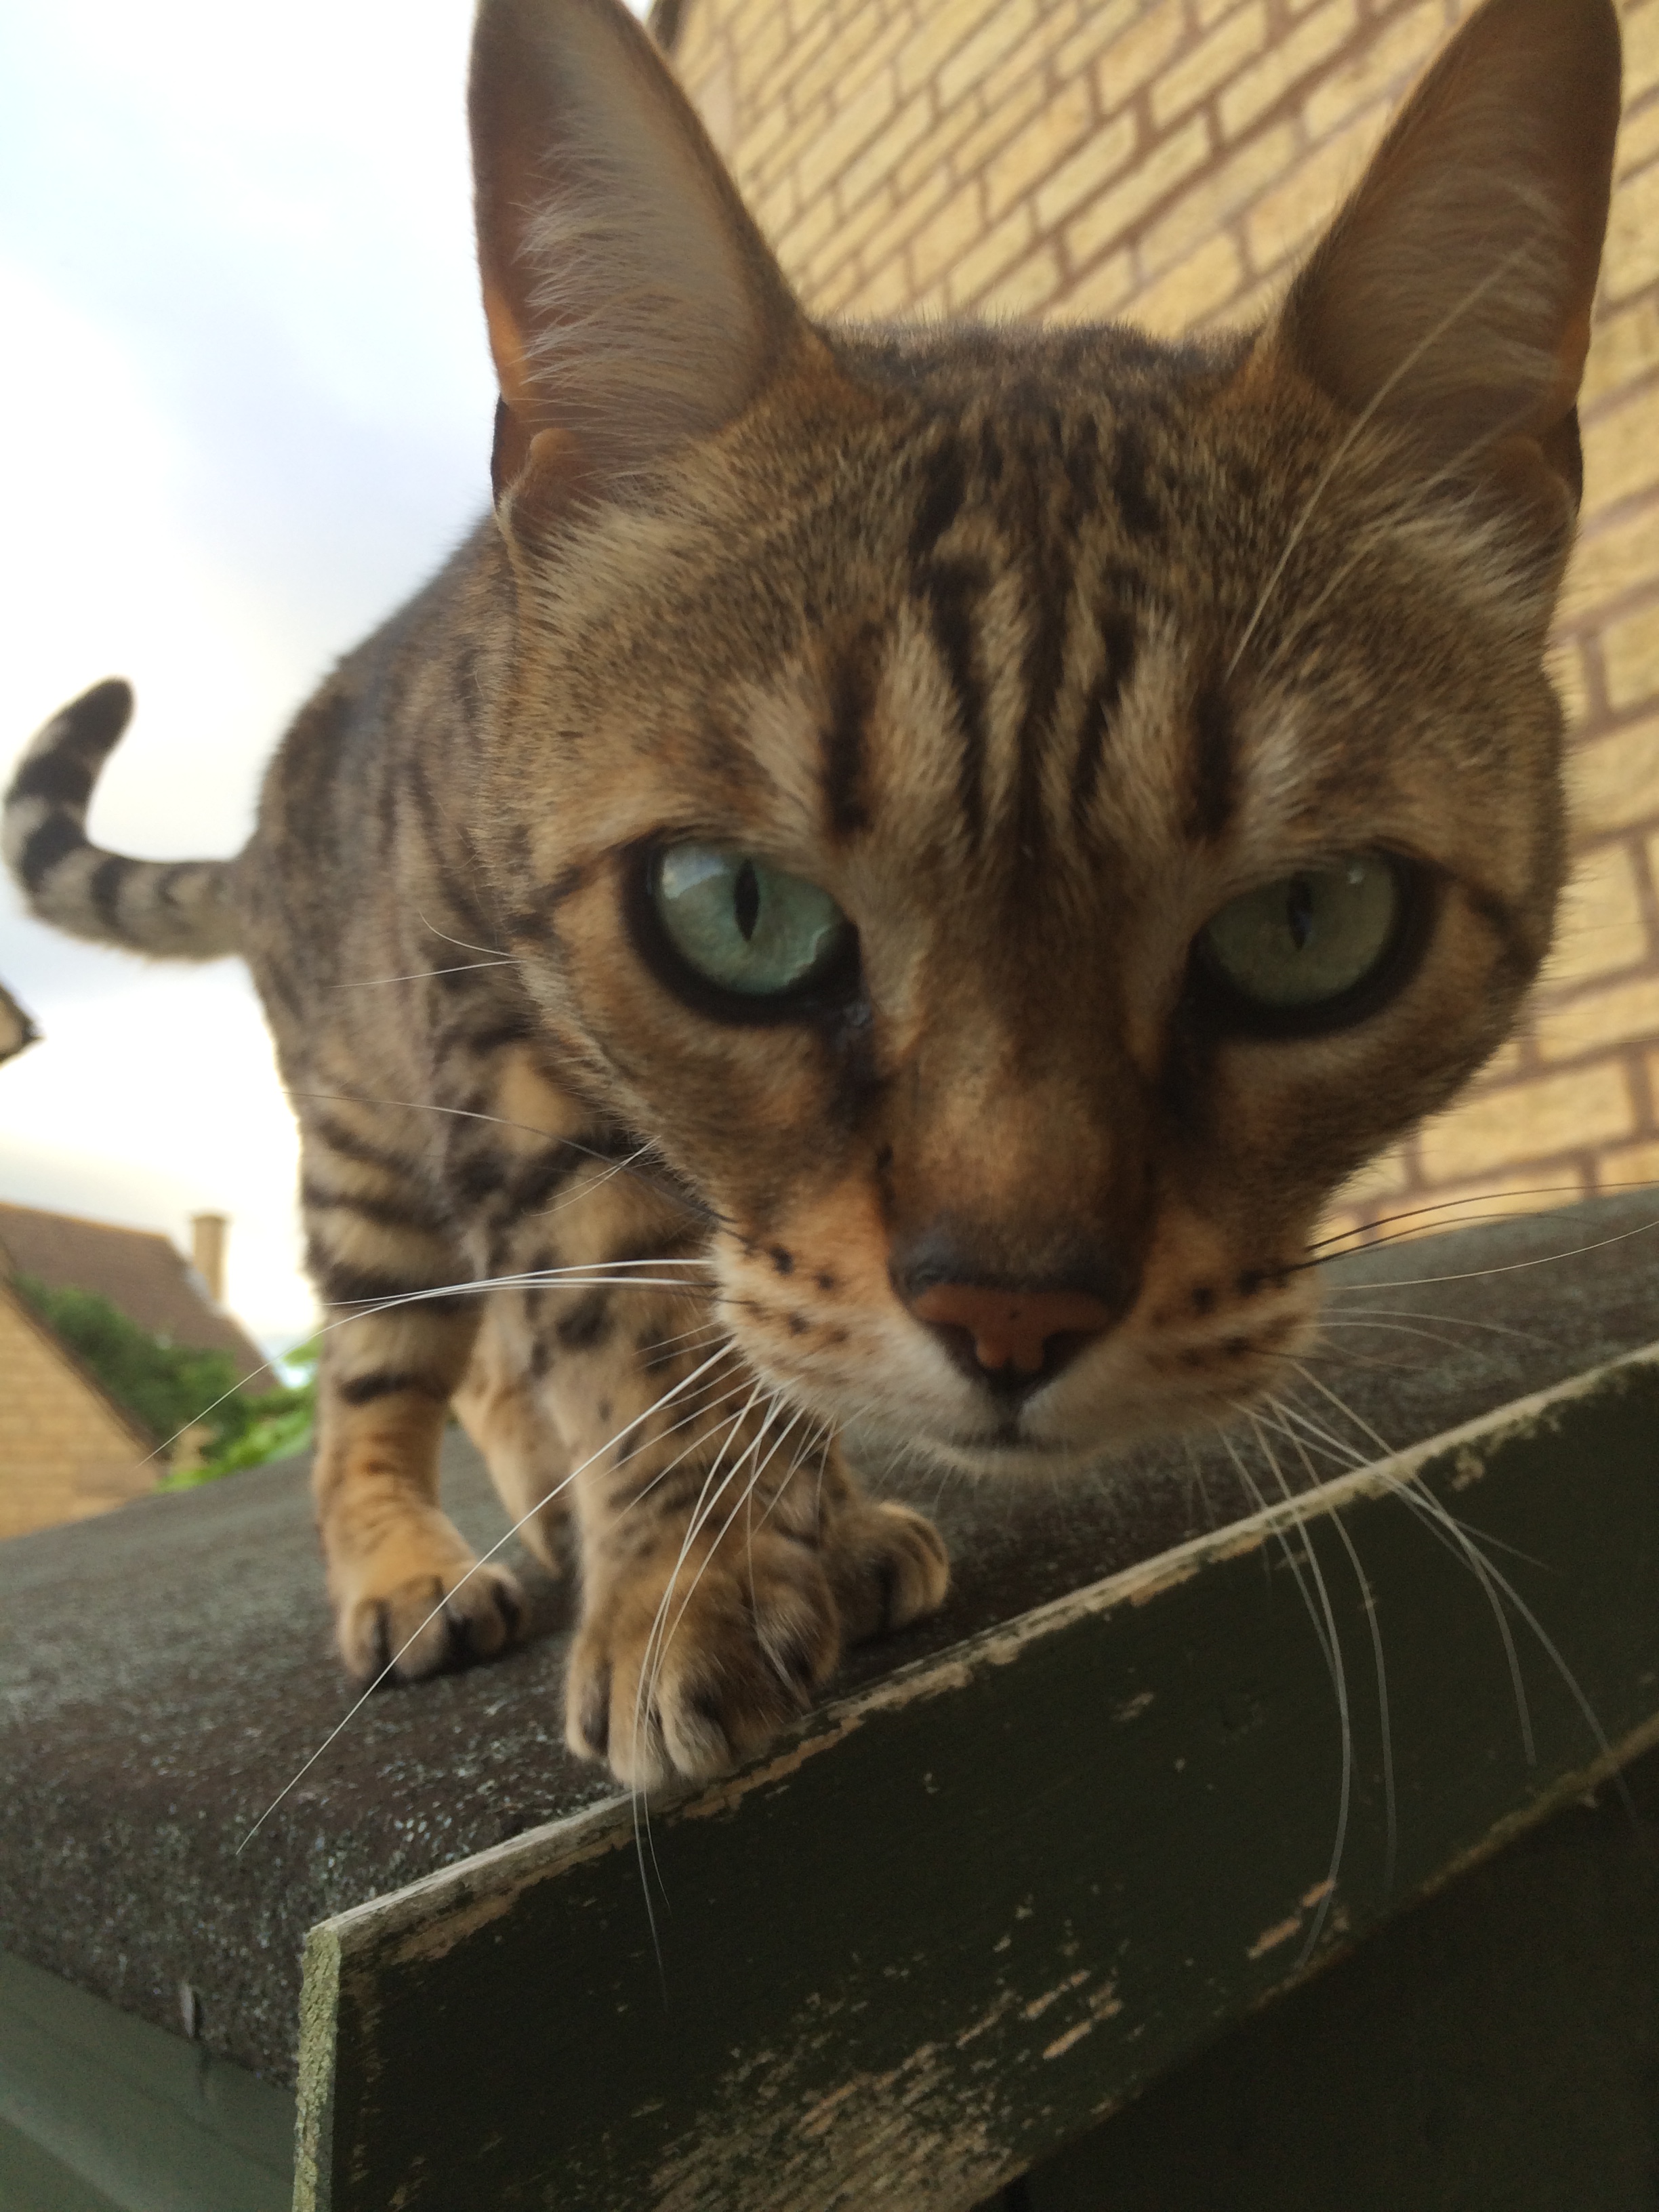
(1033, 813)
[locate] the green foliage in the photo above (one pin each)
(169, 1387)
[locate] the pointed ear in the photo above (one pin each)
(1451, 298)
(631, 302)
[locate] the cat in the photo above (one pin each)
(913, 861)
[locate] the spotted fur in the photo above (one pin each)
(1033, 648)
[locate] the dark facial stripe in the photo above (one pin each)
(844, 738)
(1117, 640)
(1130, 484)
(941, 499)
(350, 1146)
(949, 589)
(1214, 778)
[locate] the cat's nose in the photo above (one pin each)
(1008, 1326)
(1013, 1339)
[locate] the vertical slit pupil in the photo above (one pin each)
(1298, 912)
(745, 899)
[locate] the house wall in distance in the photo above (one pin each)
(65, 1452)
(1167, 161)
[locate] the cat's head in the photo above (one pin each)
(1017, 816)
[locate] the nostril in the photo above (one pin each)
(1015, 1338)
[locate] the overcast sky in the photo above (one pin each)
(245, 408)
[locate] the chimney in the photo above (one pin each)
(208, 1232)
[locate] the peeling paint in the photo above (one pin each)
(1271, 1938)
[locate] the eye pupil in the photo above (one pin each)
(1299, 912)
(746, 900)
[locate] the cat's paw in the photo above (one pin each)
(429, 1623)
(888, 1566)
(682, 1668)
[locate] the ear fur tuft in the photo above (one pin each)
(1451, 297)
(631, 302)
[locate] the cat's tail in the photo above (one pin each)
(178, 910)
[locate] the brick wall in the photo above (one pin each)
(1166, 161)
(65, 1452)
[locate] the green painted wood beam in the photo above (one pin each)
(963, 1913)
(101, 2112)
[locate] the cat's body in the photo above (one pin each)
(843, 836)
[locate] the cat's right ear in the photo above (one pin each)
(1451, 300)
(633, 305)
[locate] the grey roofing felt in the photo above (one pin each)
(166, 1669)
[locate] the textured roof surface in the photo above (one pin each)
(167, 1670)
(137, 1270)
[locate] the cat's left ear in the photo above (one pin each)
(632, 304)
(1451, 299)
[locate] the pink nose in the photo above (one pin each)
(1012, 1328)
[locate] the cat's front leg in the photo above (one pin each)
(728, 1557)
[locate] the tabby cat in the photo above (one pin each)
(914, 861)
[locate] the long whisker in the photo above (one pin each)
(424, 974)
(482, 1561)
(1361, 423)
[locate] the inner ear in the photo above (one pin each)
(632, 304)
(1452, 295)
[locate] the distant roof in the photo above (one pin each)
(139, 1271)
(16, 1029)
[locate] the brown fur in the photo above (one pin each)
(1033, 650)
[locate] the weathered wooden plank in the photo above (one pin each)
(963, 1913)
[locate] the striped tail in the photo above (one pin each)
(177, 909)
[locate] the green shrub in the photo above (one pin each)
(169, 1388)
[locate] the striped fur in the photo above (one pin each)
(1033, 649)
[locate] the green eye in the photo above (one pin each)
(744, 926)
(1304, 943)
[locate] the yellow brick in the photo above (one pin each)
(1195, 286)
(1206, 204)
(1284, 220)
(1051, 134)
(1628, 1013)
(1639, 140)
(1102, 293)
(1210, 63)
(1631, 258)
(1627, 1167)
(1100, 24)
(1602, 926)
(910, 211)
(984, 263)
(849, 133)
(1532, 1121)
(1641, 50)
(814, 226)
(1613, 782)
(1384, 1177)
(944, 25)
(887, 291)
(1383, 69)
(1115, 213)
(1314, 40)
(1630, 657)
(1613, 560)
(869, 172)
(1108, 151)
(972, 134)
(1131, 60)
(1621, 450)
(942, 243)
(1493, 1197)
(1012, 21)
(1027, 289)
(1566, 671)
